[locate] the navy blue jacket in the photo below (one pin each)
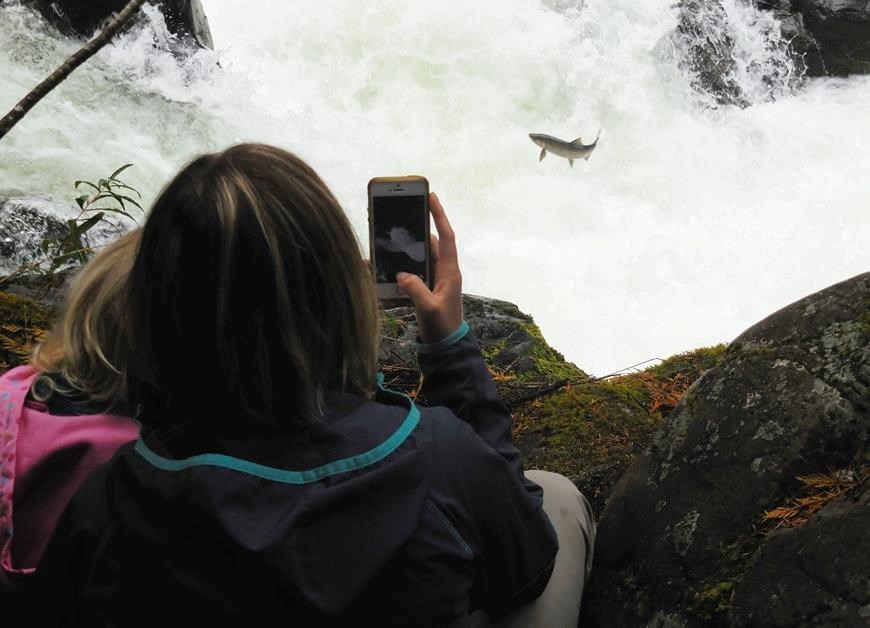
(399, 515)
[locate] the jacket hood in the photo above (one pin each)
(316, 523)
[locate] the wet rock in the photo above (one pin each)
(184, 18)
(26, 221)
(841, 29)
(832, 36)
(682, 537)
(509, 339)
(738, 54)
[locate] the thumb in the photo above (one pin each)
(414, 287)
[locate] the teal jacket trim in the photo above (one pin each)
(444, 343)
(308, 476)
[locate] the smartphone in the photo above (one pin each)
(398, 231)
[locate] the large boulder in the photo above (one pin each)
(184, 18)
(842, 30)
(833, 35)
(703, 528)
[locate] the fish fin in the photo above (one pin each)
(571, 161)
(588, 155)
(543, 154)
(579, 140)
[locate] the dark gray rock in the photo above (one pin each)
(509, 339)
(808, 38)
(680, 540)
(834, 35)
(842, 30)
(804, 47)
(26, 222)
(22, 228)
(184, 18)
(714, 51)
(708, 50)
(816, 574)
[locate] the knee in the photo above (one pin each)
(562, 497)
(553, 482)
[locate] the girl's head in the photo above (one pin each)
(249, 296)
(86, 346)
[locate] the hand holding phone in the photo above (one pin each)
(439, 309)
(398, 232)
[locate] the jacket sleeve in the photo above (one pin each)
(456, 376)
(513, 542)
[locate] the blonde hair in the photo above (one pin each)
(250, 267)
(86, 346)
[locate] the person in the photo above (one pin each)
(276, 479)
(63, 414)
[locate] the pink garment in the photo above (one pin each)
(44, 459)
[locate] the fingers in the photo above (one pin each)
(434, 257)
(434, 252)
(414, 287)
(445, 231)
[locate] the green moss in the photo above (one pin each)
(697, 360)
(492, 351)
(548, 363)
(592, 430)
(391, 325)
(713, 600)
(631, 593)
(18, 310)
(472, 307)
(589, 431)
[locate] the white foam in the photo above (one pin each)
(685, 226)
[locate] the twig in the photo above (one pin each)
(622, 371)
(546, 390)
(33, 267)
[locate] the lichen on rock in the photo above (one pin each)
(791, 398)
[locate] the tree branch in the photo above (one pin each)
(55, 78)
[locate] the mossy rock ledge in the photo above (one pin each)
(585, 428)
(752, 506)
(511, 342)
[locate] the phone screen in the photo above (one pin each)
(399, 230)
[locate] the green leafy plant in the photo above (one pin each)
(95, 201)
(106, 196)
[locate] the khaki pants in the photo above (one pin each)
(571, 516)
